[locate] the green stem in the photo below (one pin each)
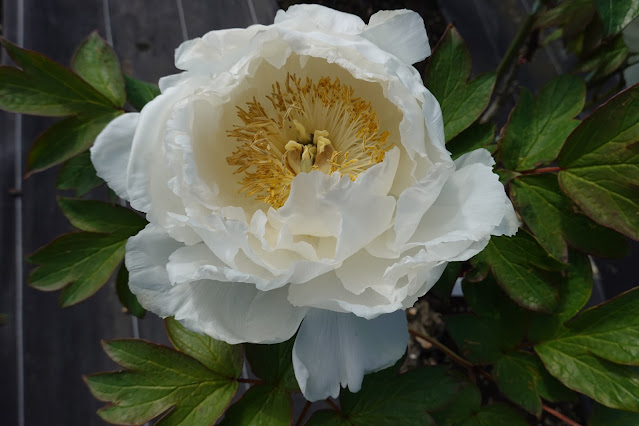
(515, 47)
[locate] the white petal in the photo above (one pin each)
(111, 151)
(333, 349)
(481, 156)
(232, 312)
(400, 32)
(313, 17)
(327, 292)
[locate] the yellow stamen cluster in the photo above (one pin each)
(310, 126)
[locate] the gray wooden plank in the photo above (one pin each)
(9, 400)
(60, 344)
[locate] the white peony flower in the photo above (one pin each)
(295, 180)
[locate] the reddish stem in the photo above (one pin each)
(559, 416)
(303, 414)
(333, 405)
(543, 170)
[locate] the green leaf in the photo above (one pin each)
(44, 87)
(460, 411)
(574, 292)
(604, 59)
(616, 14)
(81, 261)
(556, 221)
(517, 376)
(477, 338)
(128, 299)
(537, 129)
(566, 13)
(65, 139)
(388, 398)
(157, 379)
(78, 174)
(475, 136)
(273, 363)
(447, 75)
(604, 416)
(519, 264)
(140, 93)
(613, 385)
(465, 410)
(3, 319)
(219, 357)
(497, 326)
(99, 216)
(327, 418)
(600, 163)
(262, 405)
(96, 62)
(499, 414)
(587, 354)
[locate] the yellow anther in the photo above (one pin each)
(302, 135)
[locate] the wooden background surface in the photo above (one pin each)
(44, 350)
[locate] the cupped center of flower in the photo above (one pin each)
(302, 127)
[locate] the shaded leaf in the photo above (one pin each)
(604, 59)
(96, 62)
(574, 292)
(219, 357)
(524, 380)
(100, 216)
(447, 75)
(499, 414)
(139, 93)
(65, 139)
(388, 398)
(158, 379)
(604, 416)
(477, 338)
(78, 174)
(616, 14)
(273, 363)
(446, 282)
(128, 299)
(520, 266)
(556, 222)
(466, 403)
(44, 87)
(327, 418)
(537, 128)
(81, 261)
(600, 163)
(475, 136)
(261, 405)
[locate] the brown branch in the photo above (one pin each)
(559, 415)
(439, 345)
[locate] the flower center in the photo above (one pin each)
(311, 126)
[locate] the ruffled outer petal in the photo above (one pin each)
(234, 312)
(333, 349)
(313, 17)
(111, 152)
(400, 32)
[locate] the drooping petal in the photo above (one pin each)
(333, 350)
(111, 152)
(400, 32)
(234, 312)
